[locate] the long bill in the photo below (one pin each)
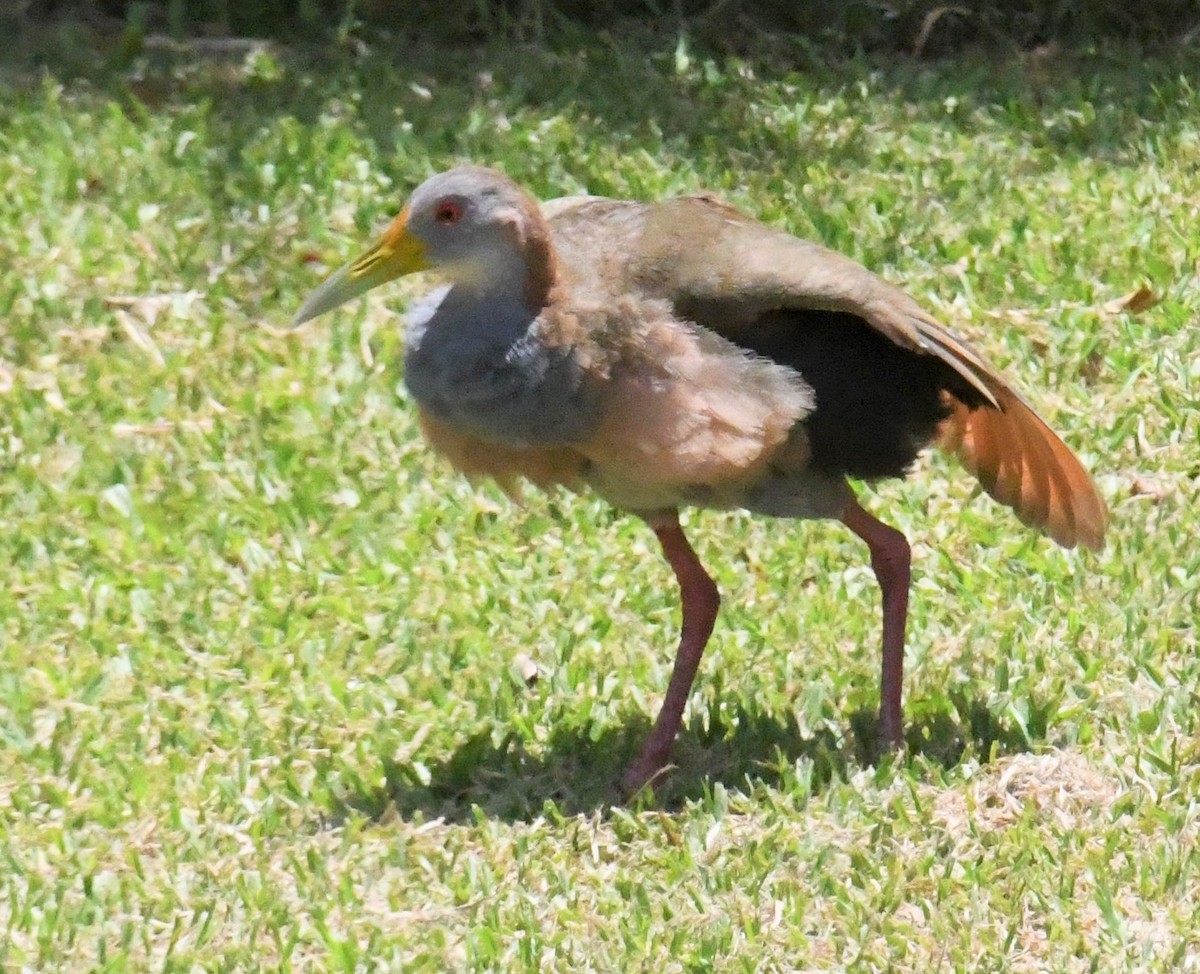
(395, 254)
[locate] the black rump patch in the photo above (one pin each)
(877, 404)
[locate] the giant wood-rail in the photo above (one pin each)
(679, 353)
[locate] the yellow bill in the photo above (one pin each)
(395, 254)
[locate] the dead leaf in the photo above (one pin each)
(44, 379)
(139, 336)
(526, 668)
(160, 427)
(1133, 303)
(1030, 324)
(142, 242)
(1152, 488)
(1091, 367)
(146, 306)
(149, 307)
(163, 427)
(88, 338)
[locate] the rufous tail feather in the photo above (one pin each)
(1024, 465)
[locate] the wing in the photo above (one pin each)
(729, 273)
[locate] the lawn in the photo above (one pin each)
(280, 692)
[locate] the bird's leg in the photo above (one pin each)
(891, 558)
(701, 601)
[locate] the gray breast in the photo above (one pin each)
(483, 370)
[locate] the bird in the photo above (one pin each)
(678, 353)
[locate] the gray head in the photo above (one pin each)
(474, 225)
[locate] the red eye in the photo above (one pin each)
(448, 212)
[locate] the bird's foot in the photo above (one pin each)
(644, 772)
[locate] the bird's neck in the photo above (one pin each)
(524, 271)
(541, 264)
(503, 280)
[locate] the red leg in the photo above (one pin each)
(891, 558)
(700, 604)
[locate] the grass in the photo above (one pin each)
(263, 702)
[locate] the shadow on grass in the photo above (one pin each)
(577, 771)
(630, 90)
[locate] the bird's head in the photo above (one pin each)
(475, 226)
